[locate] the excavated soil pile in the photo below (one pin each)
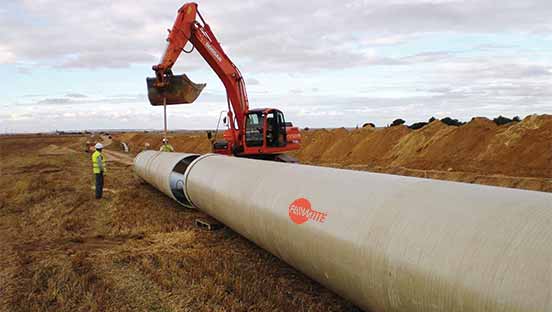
(138, 250)
(192, 141)
(514, 155)
(522, 148)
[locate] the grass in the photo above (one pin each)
(135, 250)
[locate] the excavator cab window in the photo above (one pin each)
(254, 129)
(276, 129)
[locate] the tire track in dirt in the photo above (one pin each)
(119, 157)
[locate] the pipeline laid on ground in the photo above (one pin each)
(385, 242)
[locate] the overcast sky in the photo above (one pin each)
(81, 64)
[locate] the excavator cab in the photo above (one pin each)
(275, 129)
(254, 134)
(266, 136)
(265, 128)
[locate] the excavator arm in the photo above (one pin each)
(266, 135)
(179, 35)
(180, 89)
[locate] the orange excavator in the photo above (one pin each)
(261, 133)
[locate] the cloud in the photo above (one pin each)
(271, 34)
(55, 101)
(107, 59)
(6, 55)
(73, 98)
(75, 95)
(252, 81)
(425, 57)
(287, 34)
(323, 63)
(491, 47)
(496, 68)
(23, 70)
(313, 110)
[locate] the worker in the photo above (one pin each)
(166, 147)
(98, 165)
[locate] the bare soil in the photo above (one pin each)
(137, 250)
(516, 155)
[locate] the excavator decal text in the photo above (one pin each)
(214, 52)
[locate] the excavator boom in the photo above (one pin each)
(179, 89)
(167, 88)
(251, 133)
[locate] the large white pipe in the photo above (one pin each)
(388, 243)
(165, 171)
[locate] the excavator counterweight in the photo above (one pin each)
(178, 89)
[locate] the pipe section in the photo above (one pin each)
(386, 242)
(165, 172)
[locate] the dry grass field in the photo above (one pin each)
(137, 250)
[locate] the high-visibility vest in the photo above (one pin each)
(95, 164)
(167, 148)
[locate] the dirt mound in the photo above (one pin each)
(457, 148)
(520, 149)
(376, 146)
(192, 143)
(343, 143)
(188, 142)
(341, 146)
(323, 144)
(413, 146)
(53, 149)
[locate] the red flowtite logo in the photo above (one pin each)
(300, 211)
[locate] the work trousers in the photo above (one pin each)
(99, 184)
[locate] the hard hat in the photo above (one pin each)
(98, 146)
(165, 140)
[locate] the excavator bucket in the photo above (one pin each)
(179, 90)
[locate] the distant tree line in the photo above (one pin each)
(500, 120)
